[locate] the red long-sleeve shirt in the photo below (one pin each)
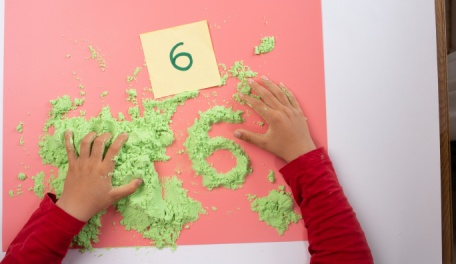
(46, 236)
(334, 233)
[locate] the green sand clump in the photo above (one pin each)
(20, 127)
(275, 209)
(157, 217)
(132, 95)
(60, 106)
(267, 44)
(168, 214)
(271, 176)
(78, 102)
(89, 233)
(200, 146)
(21, 176)
(135, 74)
(11, 193)
(104, 94)
(242, 73)
(223, 79)
(38, 187)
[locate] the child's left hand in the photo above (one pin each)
(88, 188)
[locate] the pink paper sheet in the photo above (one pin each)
(39, 35)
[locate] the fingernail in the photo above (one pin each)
(237, 134)
(68, 132)
(264, 78)
(281, 84)
(139, 182)
(251, 80)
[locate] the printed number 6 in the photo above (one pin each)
(180, 54)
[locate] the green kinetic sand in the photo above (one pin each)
(21, 176)
(271, 176)
(276, 209)
(20, 127)
(242, 73)
(132, 95)
(78, 102)
(157, 217)
(135, 74)
(267, 44)
(223, 79)
(38, 187)
(200, 146)
(95, 55)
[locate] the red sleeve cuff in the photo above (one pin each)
(304, 161)
(60, 217)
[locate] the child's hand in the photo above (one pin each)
(88, 188)
(288, 135)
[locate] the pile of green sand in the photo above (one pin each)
(275, 209)
(159, 218)
(267, 44)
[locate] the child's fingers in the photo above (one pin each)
(86, 144)
(257, 105)
(276, 91)
(118, 193)
(114, 150)
(72, 157)
(251, 137)
(289, 96)
(99, 146)
(266, 96)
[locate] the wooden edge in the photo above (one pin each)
(448, 24)
(445, 153)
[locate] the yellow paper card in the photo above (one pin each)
(180, 59)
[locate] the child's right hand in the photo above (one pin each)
(88, 189)
(288, 135)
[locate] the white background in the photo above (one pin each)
(383, 133)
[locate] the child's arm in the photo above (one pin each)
(47, 235)
(334, 233)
